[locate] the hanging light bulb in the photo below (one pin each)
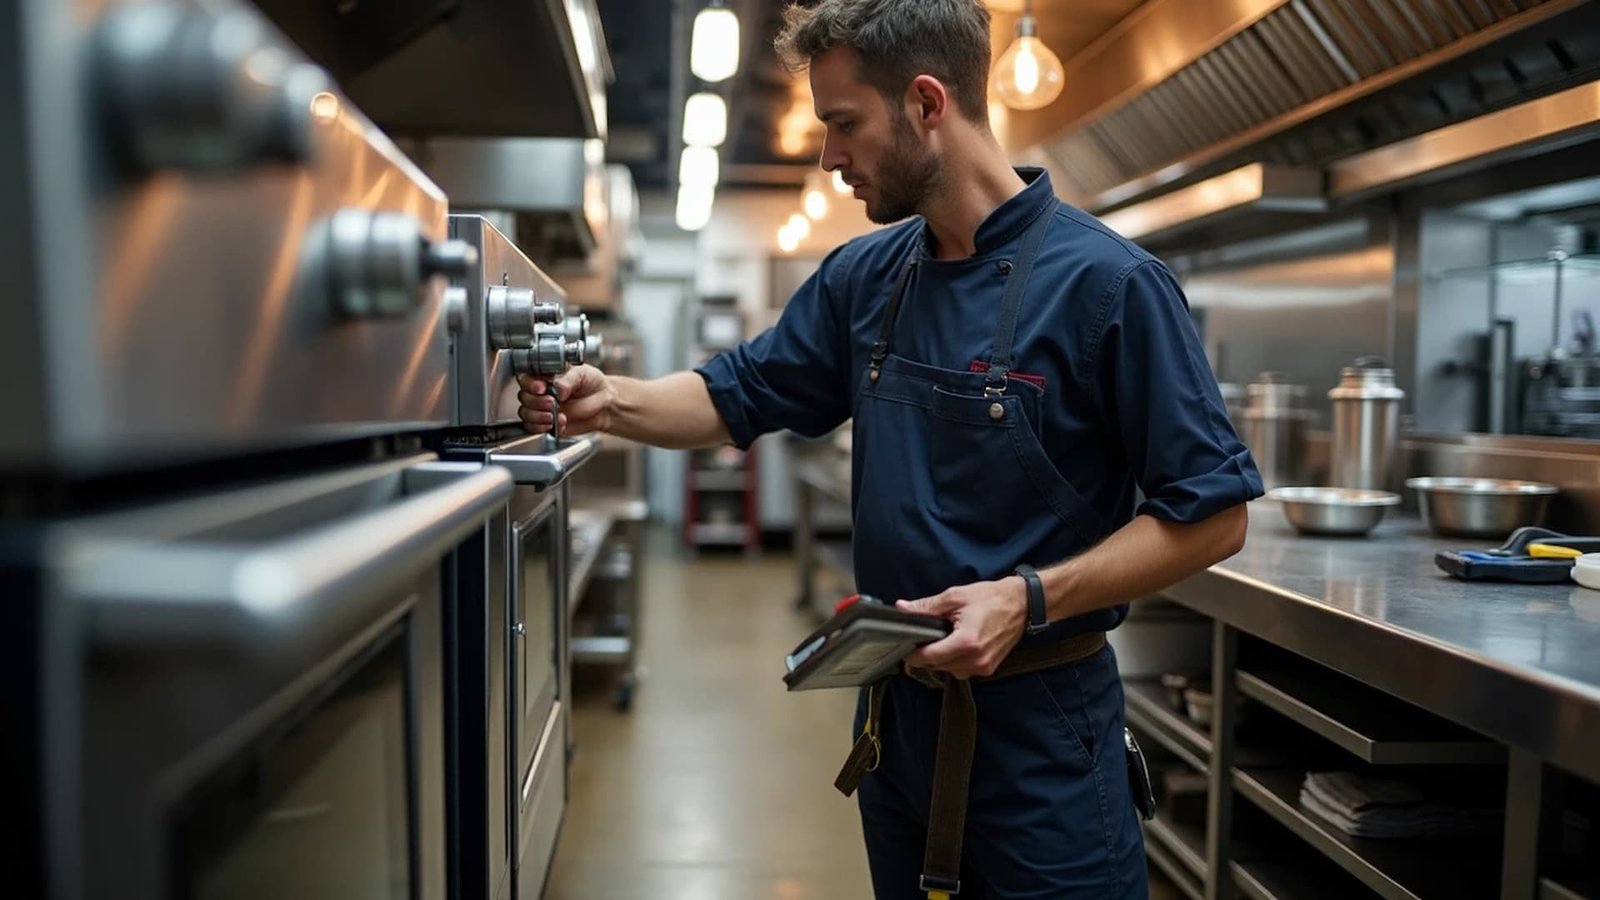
(714, 44)
(800, 225)
(694, 206)
(705, 120)
(788, 240)
(839, 184)
(814, 197)
(698, 166)
(1028, 75)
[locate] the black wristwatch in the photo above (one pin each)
(1037, 618)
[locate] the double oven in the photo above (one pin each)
(264, 576)
(514, 647)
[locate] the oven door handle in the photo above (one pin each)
(533, 462)
(300, 591)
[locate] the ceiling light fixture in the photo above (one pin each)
(788, 240)
(705, 120)
(694, 206)
(698, 167)
(814, 196)
(800, 225)
(1028, 75)
(714, 44)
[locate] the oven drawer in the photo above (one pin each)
(542, 803)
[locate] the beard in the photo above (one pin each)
(905, 176)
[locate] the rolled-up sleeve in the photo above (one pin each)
(1160, 394)
(794, 375)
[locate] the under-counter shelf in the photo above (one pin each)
(1556, 888)
(1147, 711)
(1413, 869)
(1179, 850)
(1367, 723)
(1276, 879)
(601, 649)
(1185, 842)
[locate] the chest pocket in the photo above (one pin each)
(991, 474)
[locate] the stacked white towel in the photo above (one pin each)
(1378, 808)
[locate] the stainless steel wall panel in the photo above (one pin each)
(1335, 284)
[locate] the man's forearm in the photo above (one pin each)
(674, 411)
(1143, 557)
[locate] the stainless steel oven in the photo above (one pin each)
(508, 637)
(226, 559)
(248, 686)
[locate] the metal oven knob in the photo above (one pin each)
(514, 315)
(551, 354)
(577, 327)
(377, 262)
(203, 87)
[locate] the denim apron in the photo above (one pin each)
(954, 486)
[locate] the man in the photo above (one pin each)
(1017, 376)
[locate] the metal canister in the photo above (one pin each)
(1366, 425)
(1274, 428)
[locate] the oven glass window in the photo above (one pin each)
(319, 808)
(537, 610)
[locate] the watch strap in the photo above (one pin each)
(1037, 618)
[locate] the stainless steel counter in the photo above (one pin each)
(1520, 663)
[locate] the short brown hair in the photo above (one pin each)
(897, 40)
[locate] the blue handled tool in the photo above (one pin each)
(1511, 561)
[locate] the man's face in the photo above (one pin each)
(871, 140)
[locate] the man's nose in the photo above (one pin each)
(832, 156)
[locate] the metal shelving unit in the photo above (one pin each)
(1369, 726)
(1149, 712)
(1397, 870)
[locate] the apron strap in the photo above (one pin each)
(956, 745)
(880, 350)
(994, 382)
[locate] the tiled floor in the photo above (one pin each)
(718, 784)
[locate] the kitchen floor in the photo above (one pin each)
(718, 785)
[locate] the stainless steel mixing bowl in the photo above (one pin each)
(1480, 507)
(1333, 510)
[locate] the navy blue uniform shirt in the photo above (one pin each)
(1129, 403)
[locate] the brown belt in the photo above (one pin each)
(952, 762)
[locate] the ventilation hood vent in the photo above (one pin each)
(1312, 81)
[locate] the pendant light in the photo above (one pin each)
(1028, 75)
(714, 43)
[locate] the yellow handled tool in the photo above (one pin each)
(1551, 551)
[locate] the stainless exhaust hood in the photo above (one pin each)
(504, 68)
(1181, 91)
(1533, 127)
(1255, 186)
(553, 187)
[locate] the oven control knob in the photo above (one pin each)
(577, 327)
(455, 308)
(204, 88)
(378, 262)
(514, 315)
(551, 354)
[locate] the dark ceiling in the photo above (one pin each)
(649, 44)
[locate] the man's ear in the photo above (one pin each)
(928, 100)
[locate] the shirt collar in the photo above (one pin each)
(1008, 220)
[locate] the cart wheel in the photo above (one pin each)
(622, 698)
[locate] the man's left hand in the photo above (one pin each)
(989, 618)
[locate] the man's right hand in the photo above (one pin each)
(585, 397)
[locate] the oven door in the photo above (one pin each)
(253, 700)
(538, 637)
